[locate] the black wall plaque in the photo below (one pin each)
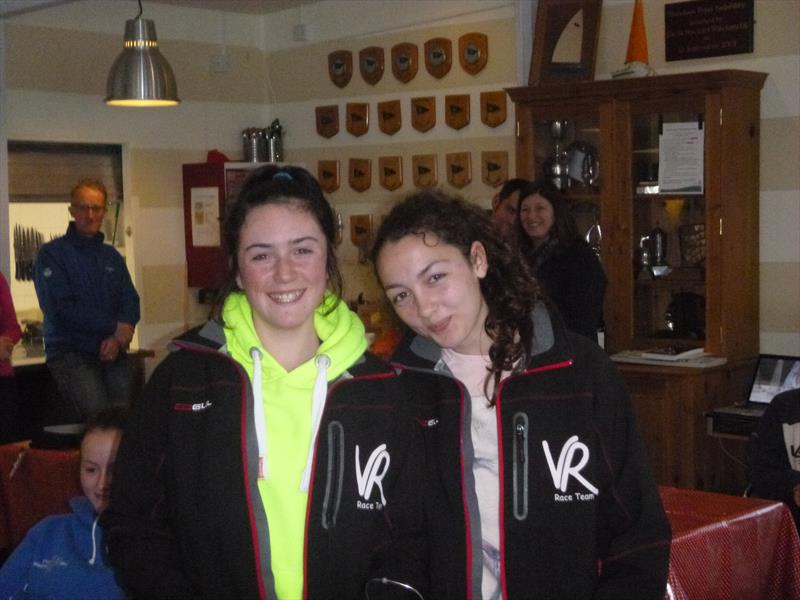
(704, 28)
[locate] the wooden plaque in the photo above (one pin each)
(328, 175)
(359, 172)
(456, 110)
(389, 117)
(423, 167)
(473, 52)
(370, 63)
(391, 171)
(340, 67)
(494, 167)
(493, 108)
(459, 169)
(328, 120)
(405, 61)
(357, 118)
(423, 113)
(438, 56)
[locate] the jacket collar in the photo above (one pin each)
(550, 343)
(81, 241)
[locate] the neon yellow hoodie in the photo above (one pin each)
(287, 417)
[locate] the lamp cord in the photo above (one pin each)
(140, 10)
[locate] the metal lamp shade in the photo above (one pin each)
(141, 76)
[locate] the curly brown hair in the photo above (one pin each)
(508, 289)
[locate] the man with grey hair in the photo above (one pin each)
(90, 307)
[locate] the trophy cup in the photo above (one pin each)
(558, 165)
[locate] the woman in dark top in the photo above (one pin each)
(563, 263)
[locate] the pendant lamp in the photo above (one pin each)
(141, 76)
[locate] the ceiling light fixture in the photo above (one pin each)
(141, 76)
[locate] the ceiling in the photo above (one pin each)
(254, 7)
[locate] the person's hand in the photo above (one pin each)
(124, 334)
(796, 491)
(6, 347)
(109, 349)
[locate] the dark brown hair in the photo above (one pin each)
(564, 230)
(508, 288)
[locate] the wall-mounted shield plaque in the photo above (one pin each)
(493, 108)
(359, 172)
(357, 118)
(459, 169)
(389, 120)
(456, 110)
(370, 63)
(405, 61)
(423, 113)
(473, 52)
(438, 56)
(494, 167)
(391, 171)
(340, 67)
(328, 120)
(328, 175)
(423, 167)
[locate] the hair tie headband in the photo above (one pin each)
(283, 175)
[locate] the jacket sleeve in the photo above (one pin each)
(56, 296)
(142, 546)
(9, 327)
(771, 475)
(634, 531)
(129, 308)
(15, 573)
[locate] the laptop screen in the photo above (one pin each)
(774, 374)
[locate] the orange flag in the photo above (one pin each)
(637, 42)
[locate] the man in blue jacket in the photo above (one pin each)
(90, 307)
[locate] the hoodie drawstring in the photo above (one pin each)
(258, 414)
(319, 395)
(94, 540)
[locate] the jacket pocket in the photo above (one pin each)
(520, 469)
(334, 475)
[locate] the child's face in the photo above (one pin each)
(98, 453)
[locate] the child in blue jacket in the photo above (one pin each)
(63, 556)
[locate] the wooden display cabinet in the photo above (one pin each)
(682, 265)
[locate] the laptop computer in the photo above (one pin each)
(773, 374)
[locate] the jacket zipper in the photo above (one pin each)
(520, 470)
(335, 474)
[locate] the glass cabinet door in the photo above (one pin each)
(668, 230)
(567, 153)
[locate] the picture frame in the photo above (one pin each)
(565, 41)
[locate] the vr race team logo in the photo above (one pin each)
(567, 467)
(372, 476)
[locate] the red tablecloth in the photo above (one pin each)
(34, 483)
(730, 547)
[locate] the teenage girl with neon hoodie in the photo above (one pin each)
(267, 456)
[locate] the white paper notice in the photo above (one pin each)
(205, 216)
(680, 162)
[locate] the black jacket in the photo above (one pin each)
(574, 280)
(186, 518)
(776, 451)
(555, 531)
